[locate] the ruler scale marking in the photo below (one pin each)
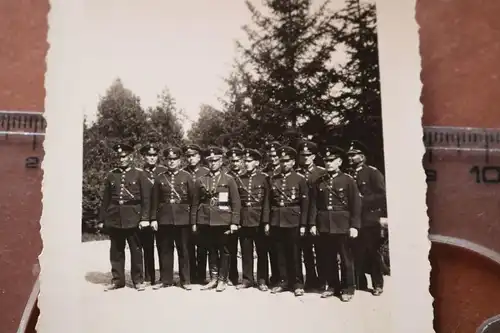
(464, 200)
(22, 124)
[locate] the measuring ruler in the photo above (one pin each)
(21, 135)
(462, 166)
(17, 124)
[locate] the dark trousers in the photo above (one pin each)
(250, 237)
(118, 239)
(197, 258)
(307, 247)
(234, 276)
(147, 237)
(332, 245)
(201, 262)
(216, 242)
(169, 236)
(286, 244)
(368, 259)
(273, 260)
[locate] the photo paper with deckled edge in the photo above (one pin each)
(110, 70)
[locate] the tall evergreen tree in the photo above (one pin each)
(237, 115)
(209, 127)
(288, 72)
(360, 94)
(120, 116)
(164, 125)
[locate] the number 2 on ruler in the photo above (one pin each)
(487, 174)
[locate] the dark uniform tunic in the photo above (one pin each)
(219, 207)
(335, 208)
(197, 254)
(124, 206)
(308, 244)
(273, 170)
(289, 205)
(174, 207)
(147, 235)
(254, 193)
(371, 185)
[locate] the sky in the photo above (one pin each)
(187, 46)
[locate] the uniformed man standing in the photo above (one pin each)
(371, 184)
(289, 207)
(335, 214)
(125, 210)
(151, 170)
(273, 169)
(218, 216)
(234, 156)
(307, 168)
(173, 211)
(197, 254)
(254, 194)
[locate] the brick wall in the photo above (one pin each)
(23, 41)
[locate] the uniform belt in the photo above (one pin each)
(251, 204)
(333, 209)
(177, 202)
(127, 202)
(286, 204)
(373, 210)
(218, 204)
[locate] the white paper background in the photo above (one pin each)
(61, 275)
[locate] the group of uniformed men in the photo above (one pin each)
(290, 214)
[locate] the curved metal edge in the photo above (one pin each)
(487, 323)
(467, 245)
(478, 249)
(28, 310)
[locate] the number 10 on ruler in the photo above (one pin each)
(487, 174)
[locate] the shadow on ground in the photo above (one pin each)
(98, 277)
(104, 278)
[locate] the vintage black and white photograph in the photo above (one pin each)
(233, 174)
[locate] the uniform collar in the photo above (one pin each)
(334, 174)
(216, 173)
(359, 167)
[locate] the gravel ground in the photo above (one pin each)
(175, 310)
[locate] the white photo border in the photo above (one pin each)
(400, 68)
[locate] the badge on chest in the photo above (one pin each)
(223, 197)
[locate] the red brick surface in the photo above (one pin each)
(23, 45)
(460, 48)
